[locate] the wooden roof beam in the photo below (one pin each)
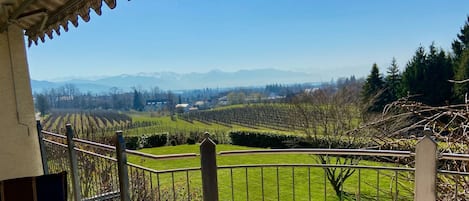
(17, 12)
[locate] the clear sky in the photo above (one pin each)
(329, 38)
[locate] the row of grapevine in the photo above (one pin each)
(273, 116)
(86, 122)
(283, 117)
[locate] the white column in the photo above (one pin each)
(19, 148)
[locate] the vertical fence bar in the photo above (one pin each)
(309, 183)
(232, 187)
(425, 169)
(152, 190)
(122, 167)
(73, 163)
(325, 183)
(262, 182)
(158, 182)
(188, 186)
(293, 182)
(397, 184)
(247, 186)
(456, 187)
(45, 168)
(359, 184)
(377, 185)
(174, 188)
(342, 188)
(278, 186)
(208, 165)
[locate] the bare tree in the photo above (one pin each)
(328, 118)
(401, 125)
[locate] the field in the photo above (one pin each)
(86, 122)
(304, 178)
(95, 123)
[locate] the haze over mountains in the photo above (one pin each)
(176, 81)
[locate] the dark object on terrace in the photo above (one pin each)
(52, 187)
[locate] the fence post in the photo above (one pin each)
(122, 167)
(208, 164)
(72, 155)
(426, 157)
(42, 147)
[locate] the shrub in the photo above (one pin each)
(156, 140)
(177, 139)
(190, 141)
(132, 142)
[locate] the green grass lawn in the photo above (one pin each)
(299, 183)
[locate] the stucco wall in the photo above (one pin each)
(19, 148)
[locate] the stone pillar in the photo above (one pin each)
(19, 148)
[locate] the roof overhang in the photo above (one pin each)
(43, 17)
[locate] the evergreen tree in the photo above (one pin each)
(461, 62)
(392, 82)
(437, 89)
(462, 73)
(427, 75)
(372, 94)
(413, 74)
(462, 43)
(42, 104)
(138, 101)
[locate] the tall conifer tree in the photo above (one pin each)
(372, 91)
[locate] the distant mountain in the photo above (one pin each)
(175, 81)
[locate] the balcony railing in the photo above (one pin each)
(101, 172)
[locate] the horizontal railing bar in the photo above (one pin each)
(56, 143)
(318, 165)
(54, 134)
(133, 152)
(141, 167)
(179, 170)
(105, 196)
(458, 157)
(95, 154)
(359, 152)
(81, 150)
(162, 171)
(161, 157)
(453, 172)
(95, 144)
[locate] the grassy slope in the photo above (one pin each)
(315, 177)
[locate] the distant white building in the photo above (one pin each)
(223, 100)
(181, 108)
(311, 90)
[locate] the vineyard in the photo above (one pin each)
(277, 118)
(87, 123)
(94, 125)
(280, 117)
(272, 116)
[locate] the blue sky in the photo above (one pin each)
(328, 39)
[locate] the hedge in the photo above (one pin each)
(138, 142)
(282, 141)
(157, 140)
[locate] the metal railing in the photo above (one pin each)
(102, 173)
